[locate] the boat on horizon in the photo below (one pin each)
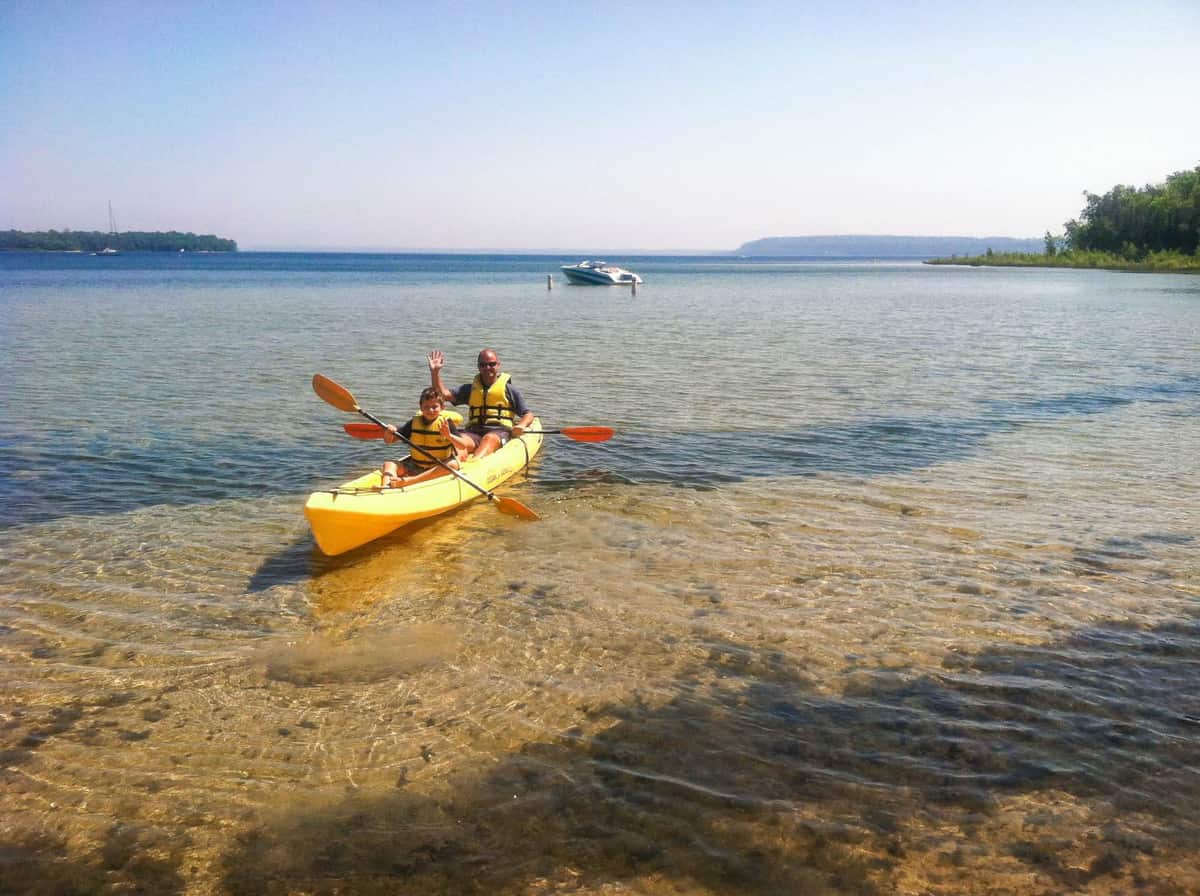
(599, 273)
(109, 251)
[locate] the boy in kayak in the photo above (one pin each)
(432, 430)
(497, 409)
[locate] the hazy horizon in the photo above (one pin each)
(586, 252)
(542, 250)
(444, 128)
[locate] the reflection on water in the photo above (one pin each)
(902, 631)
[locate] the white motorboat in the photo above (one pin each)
(599, 273)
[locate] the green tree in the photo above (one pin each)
(1155, 218)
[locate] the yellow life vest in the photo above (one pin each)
(490, 407)
(429, 436)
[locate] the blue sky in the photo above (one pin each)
(651, 126)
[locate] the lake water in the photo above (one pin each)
(887, 584)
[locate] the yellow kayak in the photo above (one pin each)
(360, 511)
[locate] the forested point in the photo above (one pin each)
(1151, 228)
(131, 241)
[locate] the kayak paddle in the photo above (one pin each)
(577, 433)
(364, 430)
(341, 398)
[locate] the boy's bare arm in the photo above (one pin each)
(436, 362)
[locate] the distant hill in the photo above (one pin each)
(887, 246)
(130, 241)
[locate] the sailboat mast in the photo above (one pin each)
(108, 251)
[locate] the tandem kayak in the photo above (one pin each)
(359, 511)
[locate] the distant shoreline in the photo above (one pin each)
(4, 249)
(1156, 263)
(85, 241)
(531, 254)
(1159, 263)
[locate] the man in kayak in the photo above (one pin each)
(497, 409)
(432, 430)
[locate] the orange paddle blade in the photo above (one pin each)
(363, 430)
(513, 507)
(332, 393)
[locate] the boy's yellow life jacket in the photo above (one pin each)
(429, 436)
(490, 407)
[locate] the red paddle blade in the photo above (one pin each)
(588, 433)
(363, 430)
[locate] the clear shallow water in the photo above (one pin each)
(888, 584)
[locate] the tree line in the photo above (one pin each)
(1134, 222)
(1151, 228)
(130, 241)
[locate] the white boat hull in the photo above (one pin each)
(599, 274)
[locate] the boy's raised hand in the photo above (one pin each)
(436, 360)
